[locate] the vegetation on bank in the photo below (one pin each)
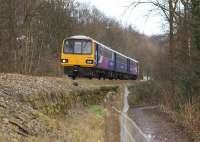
(53, 109)
(83, 125)
(98, 110)
(63, 102)
(183, 109)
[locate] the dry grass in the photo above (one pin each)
(86, 126)
(2, 139)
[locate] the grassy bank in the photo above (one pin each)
(56, 117)
(183, 109)
(55, 110)
(62, 102)
(85, 124)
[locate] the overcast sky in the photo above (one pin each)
(139, 17)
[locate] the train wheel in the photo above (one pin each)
(75, 74)
(99, 76)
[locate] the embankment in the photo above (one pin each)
(57, 109)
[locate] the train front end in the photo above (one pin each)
(77, 55)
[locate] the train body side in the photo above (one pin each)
(112, 61)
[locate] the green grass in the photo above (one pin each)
(98, 110)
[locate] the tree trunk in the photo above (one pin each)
(171, 45)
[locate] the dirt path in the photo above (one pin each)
(156, 125)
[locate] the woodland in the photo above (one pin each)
(31, 34)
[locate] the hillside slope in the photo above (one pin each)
(55, 109)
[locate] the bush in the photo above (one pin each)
(145, 93)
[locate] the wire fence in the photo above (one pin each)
(130, 131)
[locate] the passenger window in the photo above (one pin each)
(107, 53)
(100, 50)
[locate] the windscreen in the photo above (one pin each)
(77, 47)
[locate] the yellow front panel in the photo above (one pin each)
(78, 59)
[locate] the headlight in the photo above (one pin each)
(89, 61)
(64, 60)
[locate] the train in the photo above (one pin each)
(83, 56)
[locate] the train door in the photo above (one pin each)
(115, 61)
(96, 54)
(128, 65)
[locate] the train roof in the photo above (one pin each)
(80, 37)
(104, 46)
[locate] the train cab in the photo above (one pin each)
(78, 51)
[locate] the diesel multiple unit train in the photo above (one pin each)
(83, 56)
